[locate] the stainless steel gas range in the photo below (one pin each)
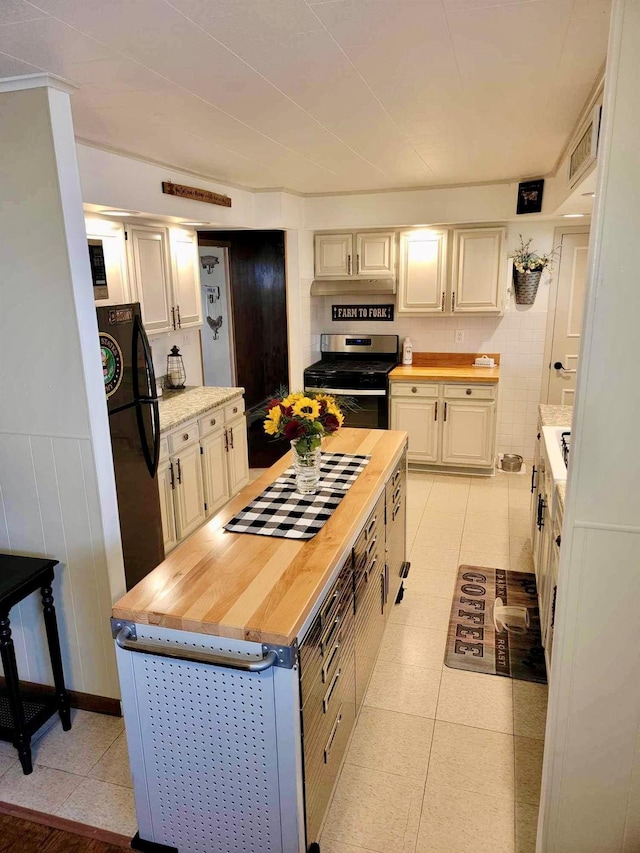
(356, 366)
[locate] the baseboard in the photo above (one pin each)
(83, 701)
(66, 825)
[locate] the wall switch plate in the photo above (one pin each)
(185, 340)
(459, 336)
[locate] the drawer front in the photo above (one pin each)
(164, 448)
(414, 389)
(185, 435)
(471, 392)
(233, 409)
(211, 421)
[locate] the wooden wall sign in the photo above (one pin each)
(362, 312)
(196, 194)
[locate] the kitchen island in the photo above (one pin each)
(253, 654)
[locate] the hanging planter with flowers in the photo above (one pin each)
(527, 271)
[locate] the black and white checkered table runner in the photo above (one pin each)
(280, 511)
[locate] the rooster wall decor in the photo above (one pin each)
(215, 326)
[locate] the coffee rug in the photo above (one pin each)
(495, 624)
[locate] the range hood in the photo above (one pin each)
(358, 286)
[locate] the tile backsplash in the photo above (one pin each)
(519, 337)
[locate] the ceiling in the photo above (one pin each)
(320, 95)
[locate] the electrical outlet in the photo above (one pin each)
(459, 336)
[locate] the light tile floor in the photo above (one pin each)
(82, 775)
(442, 760)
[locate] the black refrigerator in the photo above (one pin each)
(130, 386)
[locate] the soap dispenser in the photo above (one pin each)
(407, 351)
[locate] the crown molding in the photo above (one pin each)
(36, 81)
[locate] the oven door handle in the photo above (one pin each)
(346, 392)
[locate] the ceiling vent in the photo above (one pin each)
(348, 286)
(585, 151)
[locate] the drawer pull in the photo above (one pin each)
(435, 411)
(414, 390)
(172, 479)
(212, 421)
(396, 494)
(329, 693)
(332, 737)
(371, 526)
(179, 471)
(235, 410)
(371, 546)
(445, 411)
(469, 392)
(326, 611)
(185, 437)
(396, 510)
(325, 642)
(326, 669)
(396, 476)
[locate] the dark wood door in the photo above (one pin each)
(259, 317)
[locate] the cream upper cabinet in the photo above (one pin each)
(150, 271)
(477, 270)
(468, 432)
(359, 255)
(186, 301)
(333, 255)
(164, 269)
(422, 278)
(111, 235)
(376, 254)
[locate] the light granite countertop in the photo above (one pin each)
(177, 407)
(555, 415)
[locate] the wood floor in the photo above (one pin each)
(23, 836)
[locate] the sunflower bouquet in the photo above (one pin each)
(303, 418)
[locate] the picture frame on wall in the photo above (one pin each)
(530, 196)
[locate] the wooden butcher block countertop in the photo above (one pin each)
(261, 588)
(447, 367)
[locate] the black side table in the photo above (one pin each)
(21, 713)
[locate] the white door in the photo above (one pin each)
(238, 455)
(567, 326)
(468, 433)
(189, 492)
(420, 419)
(150, 264)
(334, 255)
(477, 270)
(422, 272)
(186, 278)
(375, 254)
(214, 471)
(166, 483)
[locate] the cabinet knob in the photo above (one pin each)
(235, 409)
(212, 421)
(185, 437)
(468, 390)
(414, 390)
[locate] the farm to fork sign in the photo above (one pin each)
(195, 193)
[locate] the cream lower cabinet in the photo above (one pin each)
(202, 465)
(237, 451)
(449, 425)
(214, 471)
(418, 415)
